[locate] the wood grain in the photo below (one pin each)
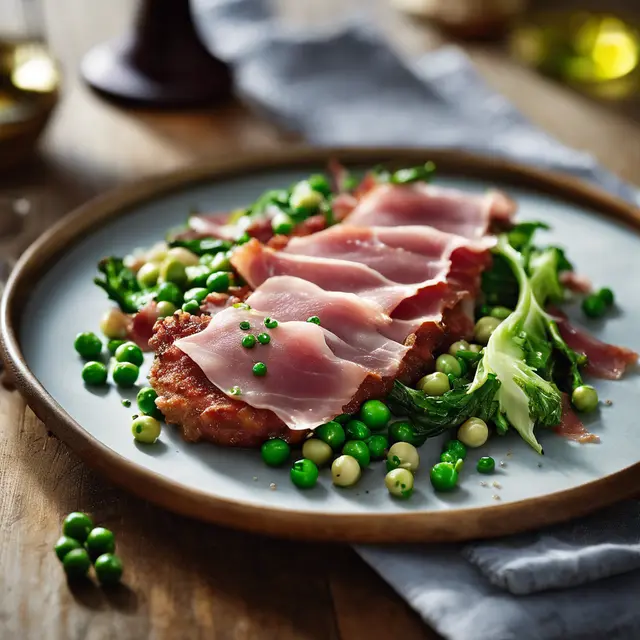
(184, 579)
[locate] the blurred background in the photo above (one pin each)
(77, 115)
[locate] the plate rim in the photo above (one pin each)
(419, 526)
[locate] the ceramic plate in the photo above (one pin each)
(51, 297)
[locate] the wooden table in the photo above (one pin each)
(185, 579)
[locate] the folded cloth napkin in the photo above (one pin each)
(346, 86)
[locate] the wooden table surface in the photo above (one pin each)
(185, 579)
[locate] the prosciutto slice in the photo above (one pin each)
(405, 255)
(306, 383)
(604, 360)
(360, 326)
(415, 304)
(450, 210)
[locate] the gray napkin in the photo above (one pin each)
(345, 86)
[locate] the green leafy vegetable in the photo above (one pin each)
(200, 246)
(121, 285)
(520, 350)
(421, 173)
(432, 415)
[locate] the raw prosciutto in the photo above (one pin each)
(360, 325)
(603, 360)
(415, 304)
(217, 226)
(570, 425)
(405, 255)
(576, 282)
(306, 383)
(450, 210)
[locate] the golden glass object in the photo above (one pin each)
(599, 53)
(29, 81)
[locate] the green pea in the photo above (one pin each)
(249, 341)
(219, 281)
(64, 545)
(264, 338)
(358, 450)
(332, 433)
(378, 446)
(198, 294)
(304, 200)
(484, 328)
(146, 400)
(319, 183)
(304, 473)
(270, 323)
(197, 276)
(77, 525)
(449, 365)
(585, 398)
(399, 483)
(593, 306)
(275, 452)
(165, 309)
(449, 456)
(125, 374)
(221, 262)
(402, 432)
(443, 476)
(486, 465)
(375, 414)
(457, 448)
(113, 345)
(460, 345)
(108, 568)
(129, 352)
(94, 373)
(99, 541)
(501, 313)
(172, 270)
(76, 563)
(282, 224)
(88, 345)
(357, 430)
(314, 320)
(343, 418)
(191, 307)
(146, 429)
(169, 292)
(259, 369)
(434, 384)
(148, 275)
(606, 295)
(317, 451)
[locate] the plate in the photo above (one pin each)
(50, 297)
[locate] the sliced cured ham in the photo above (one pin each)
(604, 360)
(306, 384)
(361, 326)
(570, 425)
(450, 210)
(405, 255)
(257, 263)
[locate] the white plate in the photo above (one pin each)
(234, 486)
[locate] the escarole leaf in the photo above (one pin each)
(432, 415)
(525, 398)
(121, 285)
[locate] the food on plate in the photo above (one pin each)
(342, 315)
